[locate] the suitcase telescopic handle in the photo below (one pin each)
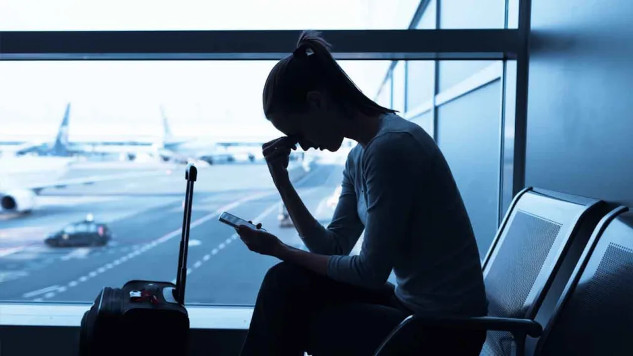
(191, 175)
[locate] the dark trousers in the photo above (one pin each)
(298, 310)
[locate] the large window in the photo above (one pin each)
(92, 153)
(127, 127)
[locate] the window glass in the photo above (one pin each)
(428, 19)
(420, 83)
(425, 121)
(513, 14)
(384, 95)
(205, 15)
(468, 135)
(77, 120)
(129, 127)
(398, 79)
(454, 72)
(472, 14)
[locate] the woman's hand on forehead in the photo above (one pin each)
(283, 142)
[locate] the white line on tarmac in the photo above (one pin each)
(139, 250)
(8, 251)
(40, 291)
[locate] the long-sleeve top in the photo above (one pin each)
(399, 190)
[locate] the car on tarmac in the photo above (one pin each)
(82, 233)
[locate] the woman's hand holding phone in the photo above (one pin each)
(277, 155)
(260, 241)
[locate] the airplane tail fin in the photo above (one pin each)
(167, 134)
(61, 141)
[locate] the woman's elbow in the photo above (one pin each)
(375, 278)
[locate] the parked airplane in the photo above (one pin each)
(168, 148)
(22, 178)
(210, 151)
(62, 147)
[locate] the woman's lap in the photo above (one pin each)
(292, 299)
(298, 309)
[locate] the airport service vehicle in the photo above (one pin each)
(82, 233)
(284, 217)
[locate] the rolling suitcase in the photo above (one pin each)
(142, 317)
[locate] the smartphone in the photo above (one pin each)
(234, 221)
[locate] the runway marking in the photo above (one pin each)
(6, 276)
(141, 249)
(40, 291)
(11, 250)
(78, 253)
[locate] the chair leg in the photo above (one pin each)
(519, 341)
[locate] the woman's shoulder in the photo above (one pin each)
(398, 136)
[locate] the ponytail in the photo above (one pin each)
(312, 67)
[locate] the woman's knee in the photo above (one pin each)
(284, 275)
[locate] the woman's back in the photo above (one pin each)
(436, 260)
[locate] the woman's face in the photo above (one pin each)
(318, 127)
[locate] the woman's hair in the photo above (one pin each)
(312, 67)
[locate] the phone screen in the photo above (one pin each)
(234, 221)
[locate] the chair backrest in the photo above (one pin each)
(594, 315)
(527, 253)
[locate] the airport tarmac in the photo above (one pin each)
(145, 215)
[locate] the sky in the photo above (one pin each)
(113, 100)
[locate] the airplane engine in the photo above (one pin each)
(18, 201)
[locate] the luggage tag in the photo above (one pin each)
(138, 296)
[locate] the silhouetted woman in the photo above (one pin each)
(397, 188)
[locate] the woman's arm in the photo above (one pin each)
(345, 228)
(392, 170)
(300, 215)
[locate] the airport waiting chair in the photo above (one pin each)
(594, 315)
(540, 234)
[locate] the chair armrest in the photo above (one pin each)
(409, 327)
(526, 326)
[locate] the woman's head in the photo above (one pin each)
(307, 94)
